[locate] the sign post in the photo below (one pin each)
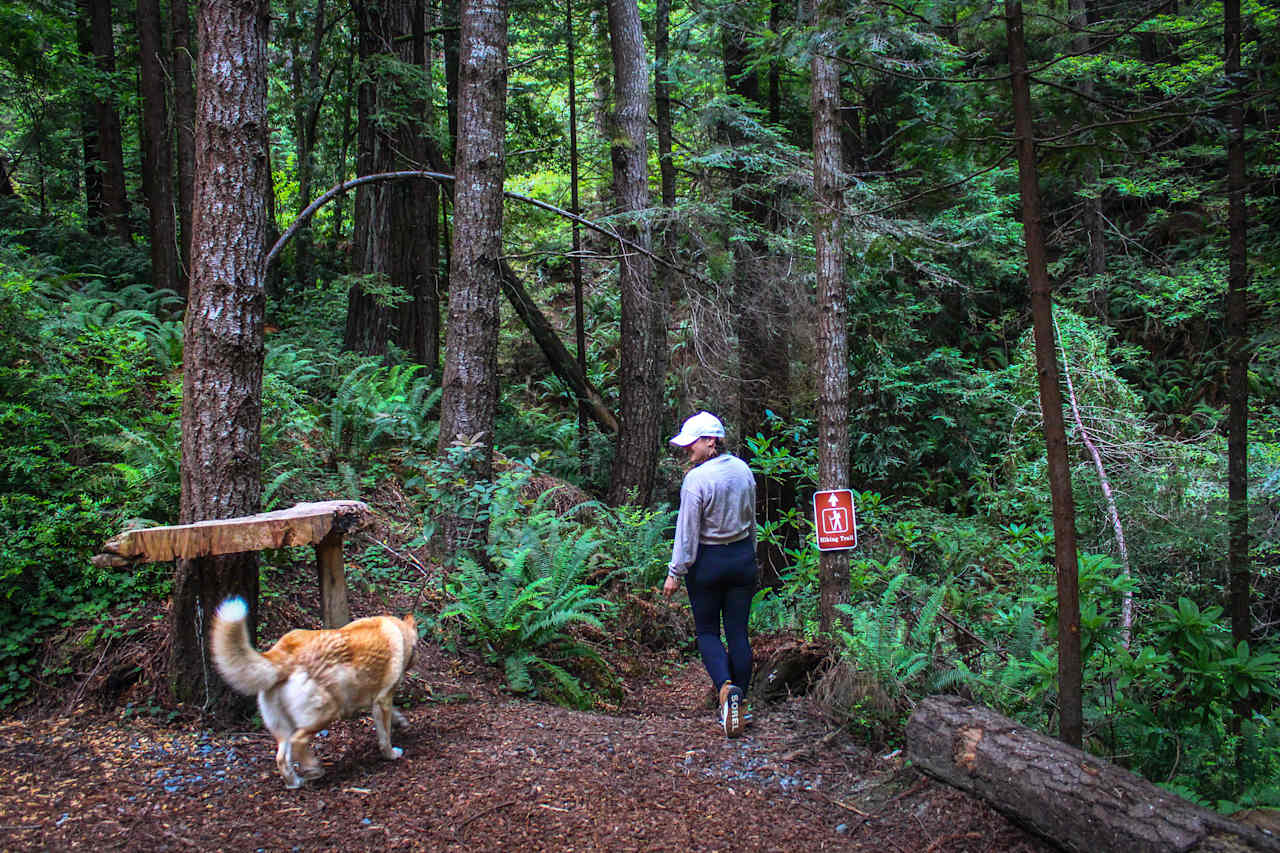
(834, 520)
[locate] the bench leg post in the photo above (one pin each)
(333, 582)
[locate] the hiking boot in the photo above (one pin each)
(731, 709)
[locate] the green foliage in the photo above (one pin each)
(523, 613)
(899, 651)
(638, 541)
(77, 363)
(550, 433)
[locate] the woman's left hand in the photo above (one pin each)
(669, 588)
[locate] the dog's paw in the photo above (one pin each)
(395, 753)
(311, 772)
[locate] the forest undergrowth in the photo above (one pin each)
(948, 594)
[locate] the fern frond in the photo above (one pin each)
(517, 666)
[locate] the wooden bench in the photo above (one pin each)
(320, 524)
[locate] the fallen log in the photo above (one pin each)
(562, 363)
(1077, 801)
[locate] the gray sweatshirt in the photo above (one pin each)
(717, 506)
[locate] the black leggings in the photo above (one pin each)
(721, 582)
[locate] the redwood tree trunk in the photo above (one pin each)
(833, 308)
(93, 166)
(157, 150)
(643, 334)
(222, 376)
(469, 400)
(393, 220)
(575, 258)
(115, 201)
(1055, 436)
(452, 37)
(1237, 342)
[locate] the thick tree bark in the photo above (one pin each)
(115, 200)
(222, 376)
(833, 308)
(1238, 346)
(184, 115)
(643, 335)
(392, 219)
(418, 324)
(157, 150)
(1076, 800)
(1055, 434)
(93, 166)
(469, 401)
(344, 146)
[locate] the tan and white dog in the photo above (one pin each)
(309, 679)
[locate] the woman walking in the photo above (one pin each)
(715, 553)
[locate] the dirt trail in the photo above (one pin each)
(485, 772)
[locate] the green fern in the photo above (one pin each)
(900, 655)
(522, 616)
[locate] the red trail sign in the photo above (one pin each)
(834, 519)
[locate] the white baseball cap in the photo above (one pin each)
(696, 427)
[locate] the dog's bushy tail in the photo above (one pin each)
(237, 661)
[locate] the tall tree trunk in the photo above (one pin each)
(469, 401)
(392, 219)
(833, 307)
(449, 12)
(1055, 436)
(93, 165)
(575, 257)
(115, 200)
(222, 376)
(6, 185)
(1237, 342)
(643, 335)
(345, 142)
(305, 104)
(157, 150)
(418, 324)
(184, 113)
